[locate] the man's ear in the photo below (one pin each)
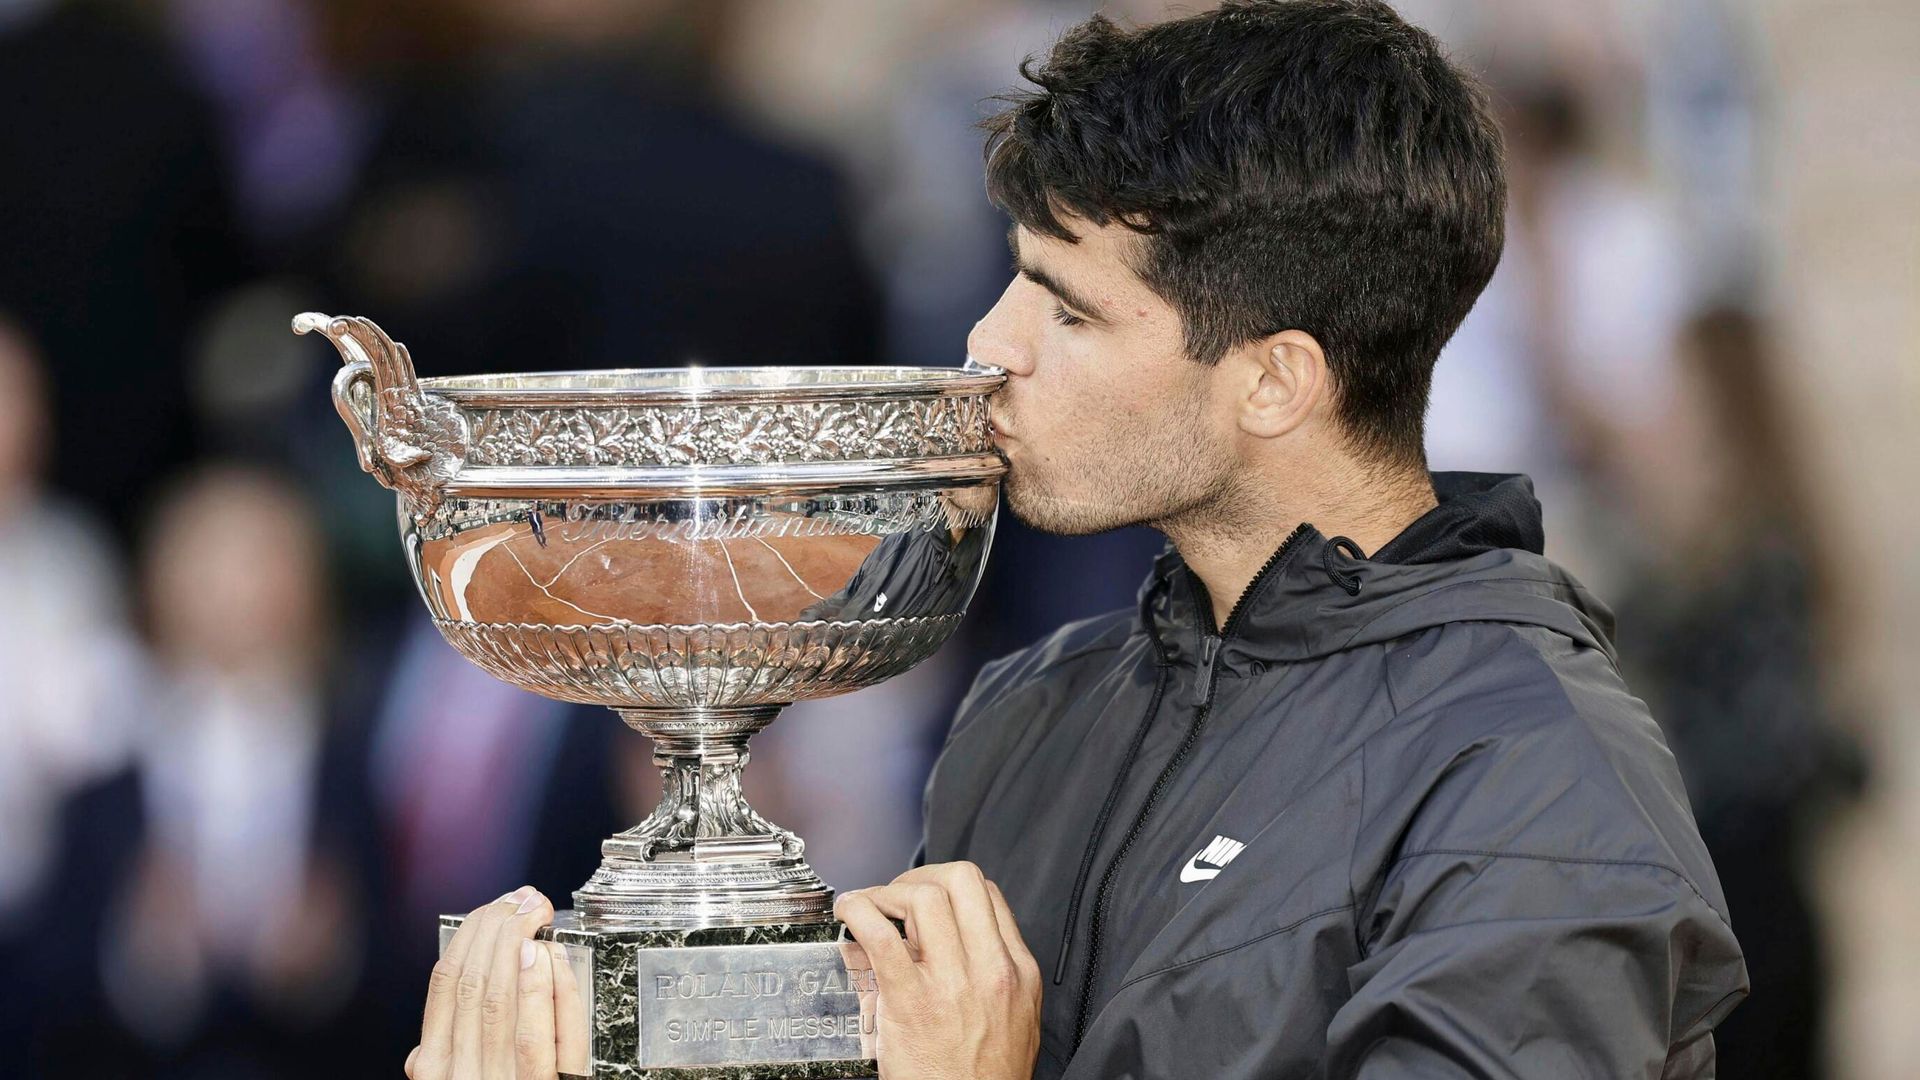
(1284, 379)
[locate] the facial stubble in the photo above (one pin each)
(1162, 468)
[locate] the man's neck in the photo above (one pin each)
(1226, 547)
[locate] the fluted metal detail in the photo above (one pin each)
(698, 667)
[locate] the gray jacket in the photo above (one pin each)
(1398, 818)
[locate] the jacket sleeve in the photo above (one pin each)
(1511, 966)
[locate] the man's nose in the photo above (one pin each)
(991, 343)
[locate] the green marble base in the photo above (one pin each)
(721, 1003)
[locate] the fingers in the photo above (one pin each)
(470, 992)
(573, 1041)
(973, 911)
(990, 949)
(433, 1059)
(500, 1006)
(928, 913)
(533, 1045)
(435, 1051)
(969, 1002)
(886, 949)
(989, 962)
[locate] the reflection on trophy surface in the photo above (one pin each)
(695, 550)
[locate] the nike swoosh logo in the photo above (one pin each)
(1195, 871)
(1210, 860)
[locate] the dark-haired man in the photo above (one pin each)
(1356, 790)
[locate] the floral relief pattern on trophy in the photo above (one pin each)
(730, 434)
(409, 441)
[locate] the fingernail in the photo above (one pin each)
(526, 954)
(532, 901)
(515, 896)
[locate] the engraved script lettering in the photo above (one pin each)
(745, 524)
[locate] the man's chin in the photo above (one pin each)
(1055, 516)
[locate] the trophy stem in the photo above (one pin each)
(703, 812)
(704, 857)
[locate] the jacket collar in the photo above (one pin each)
(1475, 556)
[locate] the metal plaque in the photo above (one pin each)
(755, 1004)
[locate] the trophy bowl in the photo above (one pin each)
(694, 549)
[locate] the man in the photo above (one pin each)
(1356, 790)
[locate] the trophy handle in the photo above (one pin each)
(407, 439)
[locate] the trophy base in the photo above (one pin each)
(717, 1003)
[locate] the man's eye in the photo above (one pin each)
(1066, 318)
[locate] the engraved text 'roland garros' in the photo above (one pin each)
(809, 983)
(776, 1003)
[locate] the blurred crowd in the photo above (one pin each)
(239, 772)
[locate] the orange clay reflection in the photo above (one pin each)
(502, 573)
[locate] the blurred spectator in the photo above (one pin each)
(114, 206)
(67, 659)
(68, 676)
(185, 878)
(1723, 637)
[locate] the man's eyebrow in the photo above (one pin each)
(1084, 307)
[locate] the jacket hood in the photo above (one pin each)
(1475, 557)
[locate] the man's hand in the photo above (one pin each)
(960, 994)
(500, 1005)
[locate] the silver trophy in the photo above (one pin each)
(694, 549)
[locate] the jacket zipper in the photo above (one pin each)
(1209, 660)
(1209, 652)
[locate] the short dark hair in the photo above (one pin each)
(1316, 165)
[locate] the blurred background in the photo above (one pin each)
(240, 774)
